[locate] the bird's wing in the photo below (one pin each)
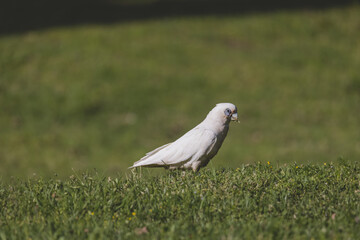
(193, 145)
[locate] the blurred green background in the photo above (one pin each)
(103, 91)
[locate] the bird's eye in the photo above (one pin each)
(227, 112)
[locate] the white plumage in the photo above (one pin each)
(198, 146)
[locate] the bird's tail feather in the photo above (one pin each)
(142, 161)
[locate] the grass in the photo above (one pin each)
(257, 201)
(98, 96)
(101, 96)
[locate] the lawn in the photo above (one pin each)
(101, 96)
(79, 104)
(257, 201)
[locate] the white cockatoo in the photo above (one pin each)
(198, 146)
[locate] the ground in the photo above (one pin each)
(258, 201)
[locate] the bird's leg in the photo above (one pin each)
(166, 166)
(196, 166)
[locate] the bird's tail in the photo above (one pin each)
(146, 161)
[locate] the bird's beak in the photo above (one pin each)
(234, 117)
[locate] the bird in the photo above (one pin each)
(198, 146)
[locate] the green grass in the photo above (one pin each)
(257, 201)
(98, 96)
(101, 96)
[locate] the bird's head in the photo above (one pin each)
(224, 111)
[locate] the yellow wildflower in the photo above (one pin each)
(134, 213)
(129, 218)
(268, 163)
(324, 163)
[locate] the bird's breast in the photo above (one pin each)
(220, 137)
